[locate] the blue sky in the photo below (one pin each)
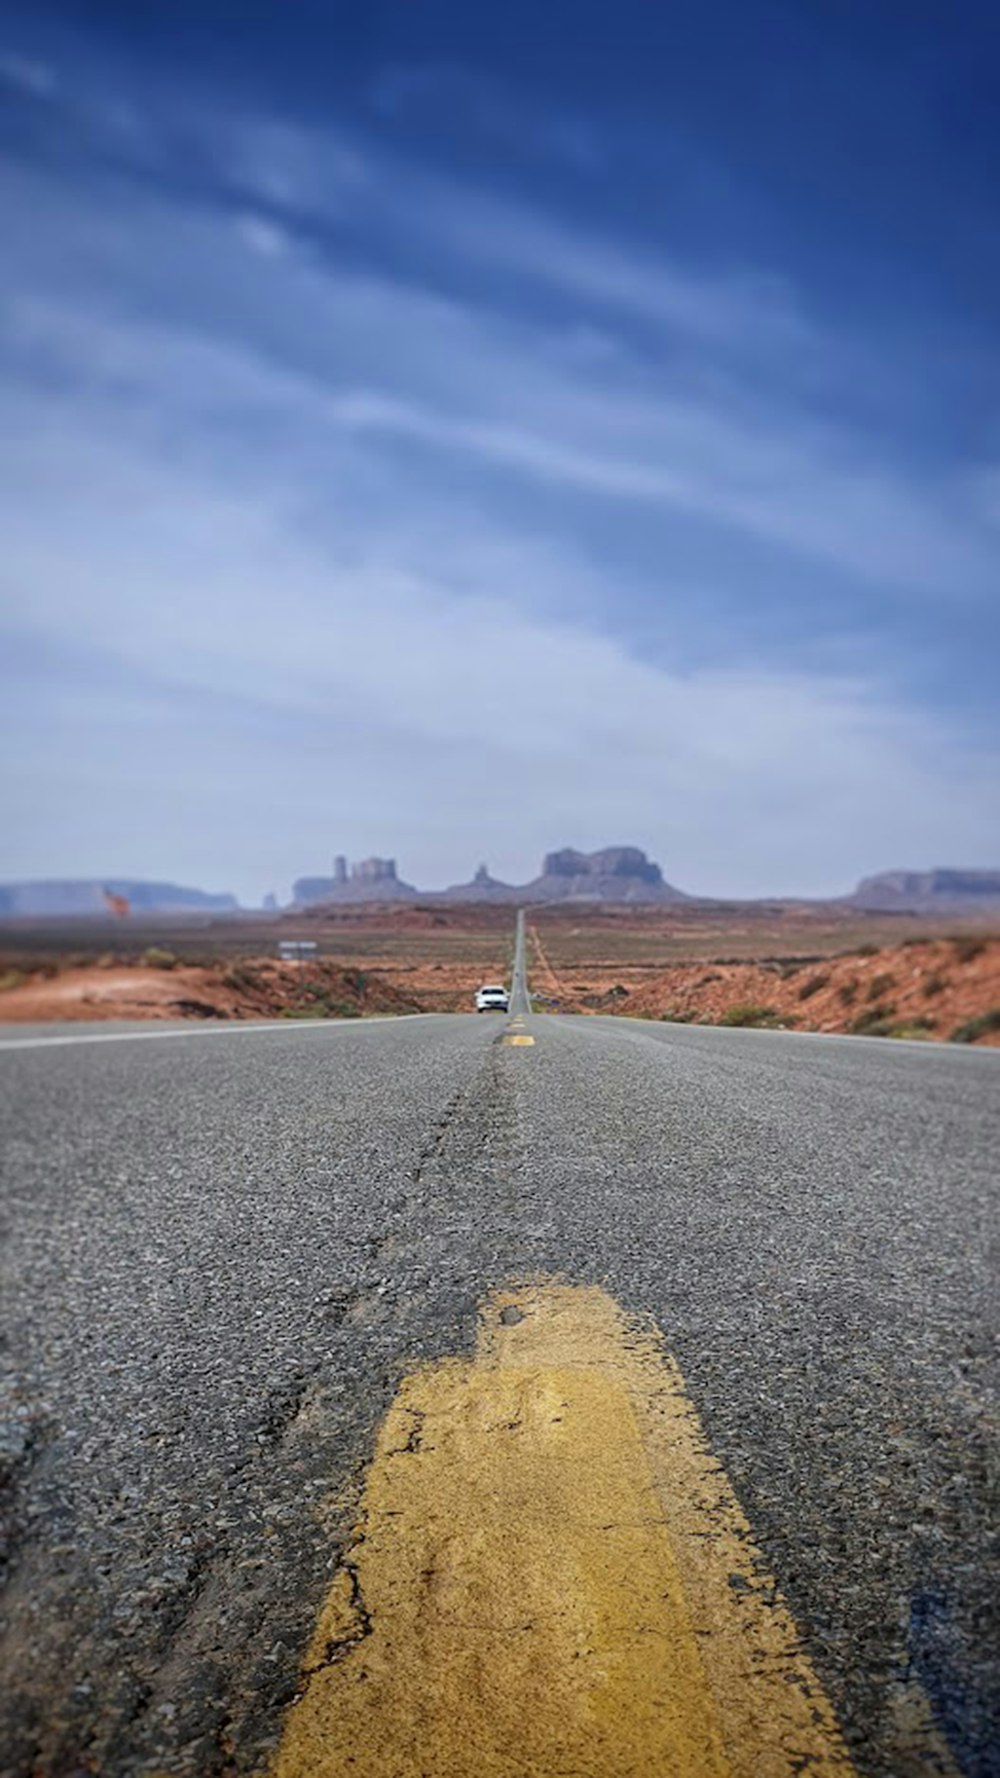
(459, 432)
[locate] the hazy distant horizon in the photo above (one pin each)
(282, 889)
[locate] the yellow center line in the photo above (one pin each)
(552, 1575)
(518, 1039)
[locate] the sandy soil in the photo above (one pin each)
(807, 969)
(252, 987)
(931, 989)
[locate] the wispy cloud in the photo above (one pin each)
(263, 236)
(362, 480)
(863, 523)
(27, 75)
(375, 675)
(386, 355)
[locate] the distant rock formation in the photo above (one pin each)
(65, 899)
(482, 888)
(618, 873)
(376, 870)
(372, 879)
(930, 891)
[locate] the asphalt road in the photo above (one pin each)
(223, 1248)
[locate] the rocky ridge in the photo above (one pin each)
(930, 891)
(614, 874)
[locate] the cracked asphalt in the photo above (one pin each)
(222, 1251)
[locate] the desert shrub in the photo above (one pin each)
(677, 1015)
(11, 978)
(705, 980)
(813, 985)
(968, 949)
(875, 1021)
(327, 1006)
(335, 1008)
(973, 1029)
(868, 950)
(919, 1027)
(198, 1009)
(934, 984)
(880, 984)
(847, 993)
(746, 1015)
(155, 957)
(239, 976)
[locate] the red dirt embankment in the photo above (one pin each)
(939, 989)
(157, 986)
(942, 988)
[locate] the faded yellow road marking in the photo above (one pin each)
(524, 1042)
(551, 1576)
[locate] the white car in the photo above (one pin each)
(492, 998)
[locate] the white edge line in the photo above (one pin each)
(220, 1030)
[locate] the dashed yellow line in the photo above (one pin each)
(551, 1575)
(518, 1040)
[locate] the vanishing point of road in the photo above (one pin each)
(361, 1370)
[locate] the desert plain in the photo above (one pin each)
(803, 967)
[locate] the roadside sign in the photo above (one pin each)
(297, 950)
